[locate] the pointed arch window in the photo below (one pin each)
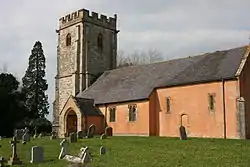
(68, 39)
(100, 41)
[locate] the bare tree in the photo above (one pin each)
(4, 68)
(138, 57)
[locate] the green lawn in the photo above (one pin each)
(143, 152)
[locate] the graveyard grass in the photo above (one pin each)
(141, 151)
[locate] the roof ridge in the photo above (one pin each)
(176, 59)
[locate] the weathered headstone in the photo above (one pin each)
(102, 150)
(103, 136)
(73, 137)
(183, 133)
(1, 162)
(19, 133)
(91, 131)
(86, 156)
(35, 134)
(80, 135)
(36, 154)
(109, 131)
(26, 137)
(64, 149)
(83, 159)
(53, 135)
(14, 160)
(40, 135)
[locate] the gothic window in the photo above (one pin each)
(100, 41)
(112, 114)
(168, 104)
(132, 112)
(68, 40)
(211, 100)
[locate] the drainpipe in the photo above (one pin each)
(224, 109)
(105, 116)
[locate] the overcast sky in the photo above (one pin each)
(176, 28)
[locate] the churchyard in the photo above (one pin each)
(135, 151)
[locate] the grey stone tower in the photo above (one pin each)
(87, 46)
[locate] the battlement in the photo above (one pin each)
(84, 15)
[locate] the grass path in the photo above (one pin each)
(142, 151)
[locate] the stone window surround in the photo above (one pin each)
(132, 112)
(112, 114)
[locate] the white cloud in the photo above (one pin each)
(176, 28)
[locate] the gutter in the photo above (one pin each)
(224, 110)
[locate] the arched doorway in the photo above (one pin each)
(71, 122)
(185, 122)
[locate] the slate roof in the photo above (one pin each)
(137, 82)
(87, 107)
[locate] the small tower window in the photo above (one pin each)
(100, 41)
(68, 40)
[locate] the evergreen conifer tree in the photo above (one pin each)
(35, 84)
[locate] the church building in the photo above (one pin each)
(208, 94)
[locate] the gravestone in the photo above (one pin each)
(80, 135)
(109, 131)
(53, 135)
(40, 135)
(83, 159)
(19, 133)
(183, 133)
(35, 134)
(0, 137)
(103, 136)
(86, 156)
(64, 149)
(91, 131)
(102, 150)
(73, 137)
(1, 162)
(14, 160)
(26, 137)
(36, 154)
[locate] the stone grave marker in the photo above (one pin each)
(26, 137)
(73, 137)
(183, 133)
(91, 131)
(36, 154)
(19, 133)
(35, 134)
(102, 150)
(109, 131)
(53, 135)
(64, 149)
(14, 160)
(83, 158)
(40, 135)
(1, 162)
(80, 135)
(103, 136)
(86, 156)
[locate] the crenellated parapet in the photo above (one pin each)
(84, 15)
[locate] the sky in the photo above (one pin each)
(175, 28)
